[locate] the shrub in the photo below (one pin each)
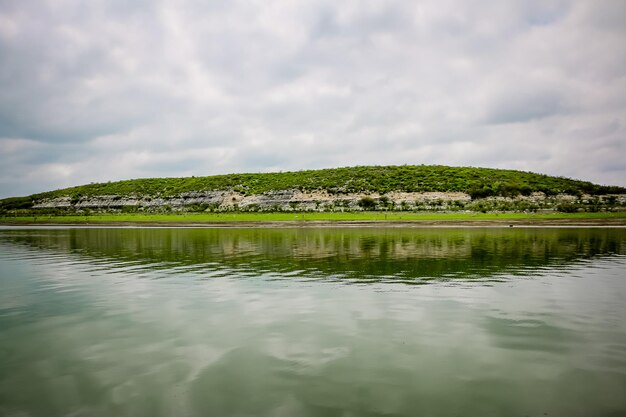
(477, 191)
(15, 203)
(367, 203)
(567, 208)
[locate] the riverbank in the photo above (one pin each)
(315, 219)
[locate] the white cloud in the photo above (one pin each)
(107, 90)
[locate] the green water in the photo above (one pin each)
(312, 322)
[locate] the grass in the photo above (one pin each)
(189, 218)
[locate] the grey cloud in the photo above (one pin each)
(543, 13)
(607, 15)
(363, 19)
(64, 82)
(523, 106)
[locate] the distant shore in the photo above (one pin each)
(331, 219)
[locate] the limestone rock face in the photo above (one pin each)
(276, 199)
(296, 200)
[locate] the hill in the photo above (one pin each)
(477, 183)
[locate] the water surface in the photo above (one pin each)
(312, 322)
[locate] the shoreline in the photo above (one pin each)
(497, 223)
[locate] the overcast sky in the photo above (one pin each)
(104, 90)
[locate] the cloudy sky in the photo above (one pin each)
(113, 89)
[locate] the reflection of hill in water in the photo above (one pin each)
(353, 253)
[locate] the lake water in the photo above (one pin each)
(313, 322)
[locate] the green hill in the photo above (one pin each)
(478, 182)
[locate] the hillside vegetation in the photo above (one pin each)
(380, 179)
(477, 182)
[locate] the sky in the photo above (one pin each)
(102, 90)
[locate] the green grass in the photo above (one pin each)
(302, 217)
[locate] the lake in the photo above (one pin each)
(312, 322)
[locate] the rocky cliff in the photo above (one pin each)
(406, 187)
(296, 200)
